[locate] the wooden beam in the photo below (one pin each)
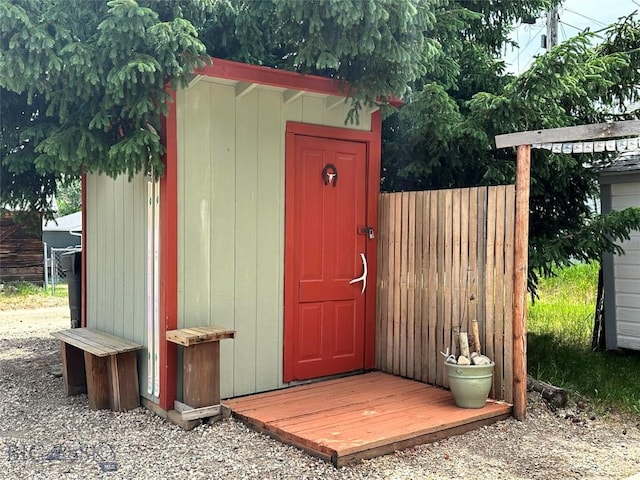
(332, 102)
(570, 134)
(289, 96)
(521, 255)
(243, 88)
(194, 79)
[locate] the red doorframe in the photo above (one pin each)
(169, 256)
(372, 139)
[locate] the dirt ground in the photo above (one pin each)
(44, 434)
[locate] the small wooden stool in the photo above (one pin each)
(200, 368)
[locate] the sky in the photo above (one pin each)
(575, 16)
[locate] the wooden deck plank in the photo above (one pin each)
(300, 391)
(301, 402)
(351, 418)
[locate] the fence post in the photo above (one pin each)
(521, 256)
(46, 268)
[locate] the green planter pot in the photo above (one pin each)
(470, 384)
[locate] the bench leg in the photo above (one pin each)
(73, 373)
(201, 375)
(124, 392)
(97, 381)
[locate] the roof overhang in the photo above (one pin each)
(246, 77)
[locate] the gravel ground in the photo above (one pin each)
(44, 434)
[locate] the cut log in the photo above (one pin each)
(556, 396)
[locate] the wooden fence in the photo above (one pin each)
(21, 247)
(445, 258)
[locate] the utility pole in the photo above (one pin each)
(552, 28)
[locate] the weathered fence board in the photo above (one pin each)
(21, 247)
(446, 258)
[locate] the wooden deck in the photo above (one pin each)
(363, 416)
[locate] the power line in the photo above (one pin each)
(572, 26)
(564, 33)
(584, 16)
(531, 39)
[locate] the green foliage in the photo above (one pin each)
(86, 88)
(378, 46)
(21, 289)
(85, 82)
(559, 343)
(574, 83)
(69, 196)
(83, 89)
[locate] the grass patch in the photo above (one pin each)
(24, 295)
(559, 343)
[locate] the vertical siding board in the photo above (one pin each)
(119, 252)
(465, 273)
(441, 288)
(137, 315)
(93, 248)
(417, 293)
(397, 282)
(404, 285)
(383, 282)
(499, 292)
(411, 284)
(197, 205)
(246, 242)
(313, 110)
(509, 216)
(181, 116)
(481, 280)
(472, 222)
(392, 279)
(448, 280)
(433, 288)
(223, 225)
(457, 285)
(425, 268)
(105, 319)
(490, 276)
(269, 245)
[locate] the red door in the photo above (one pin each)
(326, 251)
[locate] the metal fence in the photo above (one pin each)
(57, 274)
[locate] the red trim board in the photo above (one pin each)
(169, 257)
(83, 254)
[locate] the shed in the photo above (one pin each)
(620, 189)
(260, 164)
(62, 232)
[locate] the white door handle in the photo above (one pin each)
(363, 277)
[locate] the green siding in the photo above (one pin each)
(231, 220)
(116, 256)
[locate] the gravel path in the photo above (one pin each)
(44, 434)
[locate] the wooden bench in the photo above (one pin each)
(102, 365)
(200, 369)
